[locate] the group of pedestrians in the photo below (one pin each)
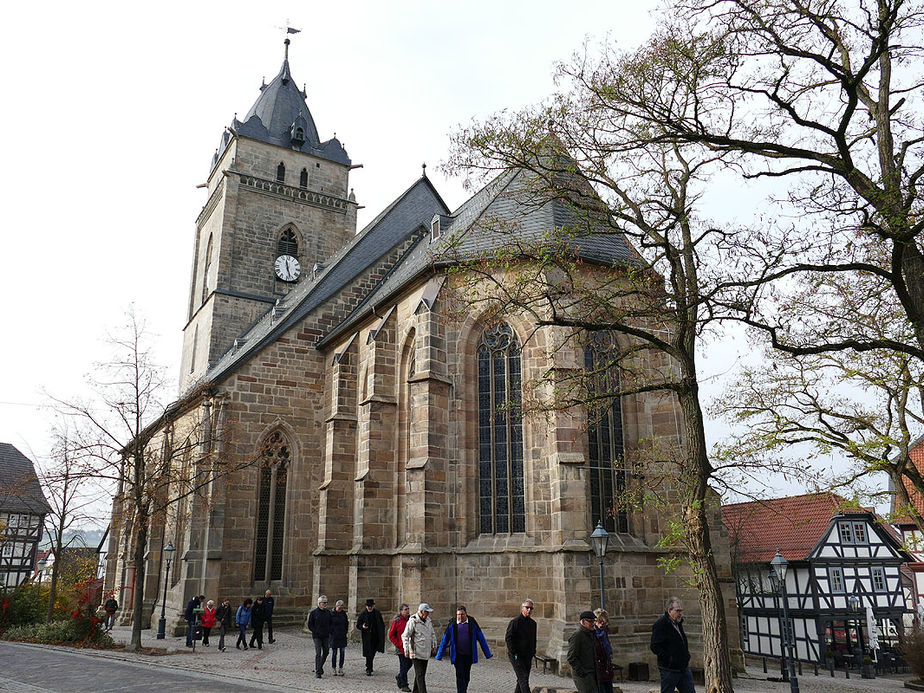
(252, 614)
(590, 654)
(329, 631)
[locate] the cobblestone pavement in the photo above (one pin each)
(288, 665)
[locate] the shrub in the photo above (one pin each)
(25, 604)
(73, 631)
(914, 652)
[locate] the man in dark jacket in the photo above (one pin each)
(268, 604)
(372, 627)
(319, 625)
(110, 607)
(257, 619)
(582, 654)
(462, 636)
(191, 617)
(669, 643)
(521, 644)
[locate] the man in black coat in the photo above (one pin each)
(582, 654)
(521, 644)
(257, 619)
(191, 617)
(669, 643)
(372, 627)
(319, 625)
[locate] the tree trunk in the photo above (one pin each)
(141, 521)
(696, 474)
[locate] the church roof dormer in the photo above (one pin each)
(280, 116)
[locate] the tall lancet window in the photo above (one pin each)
(605, 436)
(281, 172)
(500, 433)
(207, 269)
(271, 510)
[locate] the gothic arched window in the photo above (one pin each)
(605, 436)
(281, 172)
(501, 497)
(303, 178)
(271, 509)
(288, 244)
(205, 271)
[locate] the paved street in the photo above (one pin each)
(287, 666)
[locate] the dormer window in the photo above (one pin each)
(303, 178)
(435, 227)
(281, 172)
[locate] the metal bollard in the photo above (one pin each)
(799, 662)
(816, 668)
(764, 659)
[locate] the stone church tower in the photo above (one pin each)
(275, 190)
(375, 431)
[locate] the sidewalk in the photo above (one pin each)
(289, 663)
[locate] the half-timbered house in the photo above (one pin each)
(22, 510)
(845, 579)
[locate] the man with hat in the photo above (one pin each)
(582, 654)
(372, 628)
(419, 640)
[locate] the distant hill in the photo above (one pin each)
(80, 537)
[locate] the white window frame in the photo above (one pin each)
(845, 532)
(859, 533)
(835, 575)
(879, 580)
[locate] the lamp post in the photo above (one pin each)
(853, 601)
(41, 570)
(162, 623)
(778, 568)
(600, 540)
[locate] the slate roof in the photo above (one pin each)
(411, 211)
(20, 490)
(794, 525)
(273, 114)
(497, 216)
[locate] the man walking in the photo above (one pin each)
(521, 644)
(395, 631)
(669, 643)
(110, 607)
(190, 615)
(223, 615)
(319, 625)
(268, 604)
(582, 654)
(372, 628)
(462, 636)
(419, 641)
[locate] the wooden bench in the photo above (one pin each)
(547, 662)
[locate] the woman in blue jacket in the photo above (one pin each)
(242, 619)
(461, 637)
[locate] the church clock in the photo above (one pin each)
(287, 268)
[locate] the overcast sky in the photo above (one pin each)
(113, 111)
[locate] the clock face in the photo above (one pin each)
(287, 268)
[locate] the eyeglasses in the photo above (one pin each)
(528, 608)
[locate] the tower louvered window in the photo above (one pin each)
(288, 244)
(303, 178)
(605, 436)
(271, 509)
(281, 172)
(500, 433)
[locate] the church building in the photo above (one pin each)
(373, 434)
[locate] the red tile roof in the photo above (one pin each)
(794, 525)
(916, 453)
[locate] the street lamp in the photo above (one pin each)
(41, 569)
(162, 623)
(853, 603)
(778, 568)
(600, 540)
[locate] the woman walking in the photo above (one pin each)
(223, 615)
(339, 626)
(242, 619)
(208, 621)
(395, 631)
(603, 652)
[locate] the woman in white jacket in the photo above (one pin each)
(419, 640)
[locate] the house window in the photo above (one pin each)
(500, 433)
(846, 531)
(879, 583)
(303, 178)
(743, 628)
(281, 172)
(605, 437)
(271, 509)
(859, 532)
(836, 576)
(288, 244)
